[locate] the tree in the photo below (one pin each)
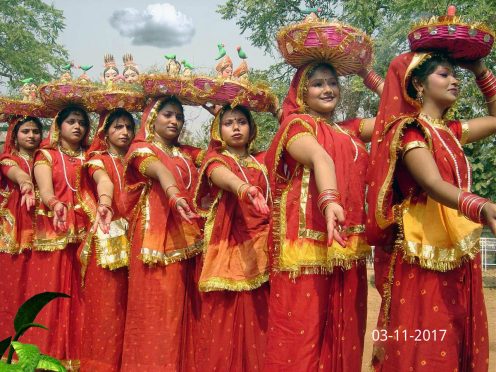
(388, 22)
(28, 41)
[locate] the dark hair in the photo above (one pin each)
(117, 114)
(110, 68)
(422, 72)
(244, 110)
(173, 100)
(24, 121)
(319, 65)
(73, 109)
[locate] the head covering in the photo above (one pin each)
(9, 145)
(216, 141)
(395, 107)
(129, 63)
(109, 63)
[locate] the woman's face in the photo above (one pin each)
(169, 122)
(28, 136)
(120, 133)
(131, 76)
(110, 74)
(323, 92)
(441, 87)
(73, 128)
(235, 129)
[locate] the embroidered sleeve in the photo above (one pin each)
(144, 162)
(465, 132)
(7, 164)
(412, 139)
(43, 157)
(93, 165)
(214, 165)
(297, 129)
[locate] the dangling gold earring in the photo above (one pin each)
(420, 97)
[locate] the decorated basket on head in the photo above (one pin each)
(451, 35)
(28, 105)
(227, 87)
(59, 93)
(347, 48)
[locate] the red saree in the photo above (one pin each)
(104, 259)
(426, 259)
(54, 265)
(16, 234)
(161, 297)
(318, 300)
(235, 266)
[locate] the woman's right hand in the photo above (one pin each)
(489, 216)
(334, 215)
(60, 217)
(28, 197)
(257, 199)
(185, 211)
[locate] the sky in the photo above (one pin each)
(149, 29)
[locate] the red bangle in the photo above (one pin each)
(52, 202)
(175, 198)
(327, 197)
(108, 207)
(470, 205)
(373, 80)
(487, 84)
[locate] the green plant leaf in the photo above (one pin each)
(50, 364)
(30, 309)
(4, 345)
(25, 327)
(29, 355)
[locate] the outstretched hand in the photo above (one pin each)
(60, 217)
(334, 215)
(489, 216)
(257, 199)
(28, 197)
(185, 211)
(102, 219)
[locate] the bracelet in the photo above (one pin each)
(52, 202)
(239, 192)
(244, 193)
(470, 205)
(171, 186)
(373, 80)
(327, 197)
(29, 182)
(108, 207)
(487, 83)
(100, 196)
(175, 198)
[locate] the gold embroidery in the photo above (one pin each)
(360, 127)
(297, 137)
(9, 163)
(412, 145)
(220, 284)
(151, 257)
(145, 163)
(465, 132)
(96, 163)
(303, 232)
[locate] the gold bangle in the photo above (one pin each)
(238, 190)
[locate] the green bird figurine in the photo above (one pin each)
(86, 67)
(67, 67)
(222, 51)
(187, 65)
(241, 53)
(170, 56)
(310, 10)
(27, 80)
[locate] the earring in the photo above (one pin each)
(420, 98)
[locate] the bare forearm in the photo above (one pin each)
(43, 176)
(159, 172)
(224, 179)
(325, 173)
(18, 176)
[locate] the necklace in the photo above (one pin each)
(435, 123)
(63, 163)
(26, 157)
(175, 152)
(236, 157)
(112, 156)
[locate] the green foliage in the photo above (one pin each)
(388, 22)
(28, 41)
(30, 359)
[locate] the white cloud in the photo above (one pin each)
(159, 25)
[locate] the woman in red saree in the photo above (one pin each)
(59, 228)
(235, 267)
(165, 238)
(427, 261)
(318, 297)
(104, 254)
(17, 200)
